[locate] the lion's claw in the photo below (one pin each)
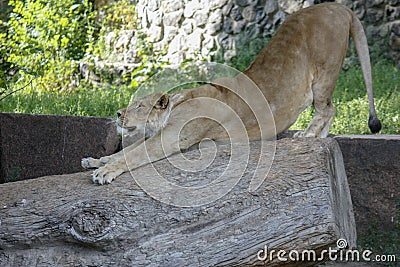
(105, 175)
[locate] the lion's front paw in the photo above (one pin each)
(90, 163)
(106, 174)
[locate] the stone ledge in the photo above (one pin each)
(39, 145)
(373, 171)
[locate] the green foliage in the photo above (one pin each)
(46, 39)
(116, 16)
(247, 51)
(252, 48)
(381, 242)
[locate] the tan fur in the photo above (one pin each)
(299, 67)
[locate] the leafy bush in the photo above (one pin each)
(45, 39)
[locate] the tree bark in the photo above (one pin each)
(66, 220)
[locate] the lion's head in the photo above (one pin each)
(147, 115)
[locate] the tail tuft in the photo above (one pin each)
(374, 124)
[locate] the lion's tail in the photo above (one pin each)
(360, 41)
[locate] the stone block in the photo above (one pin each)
(215, 4)
(249, 13)
(270, 6)
(172, 18)
(236, 13)
(191, 7)
(373, 171)
(38, 145)
(200, 18)
(392, 13)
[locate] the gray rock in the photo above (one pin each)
(228, 24)
(252, 31)
(359, 9)
(374, 3)
(396, 28)
(215, 16)
(155, 17)
(176, 58)
(200, 18)
(244, 3)
(249, 13)
(238, 26)
(191, 7)
(194, 40)
(172, 18)
(213, 28)
(392, 13)
(153, 5)
(176, 45)
(208, 42)
(236, 13)
(374, 15)
(169, 33)
(260, 15)
(187, 26)
(394, 42)
(216, 4)
(270, 6)
(171, 5)
(279, 18)
(109, 40)
(290, 6)
(227, 8)
(225, 41)
(156, 33)
(124, 39)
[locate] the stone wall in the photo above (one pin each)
(199, 29)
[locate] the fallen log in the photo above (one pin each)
(303, 204)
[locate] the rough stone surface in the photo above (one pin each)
(38, 145)
(373, 170)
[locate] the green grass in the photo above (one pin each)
(88, 101)
(350, 100)
(381, 243)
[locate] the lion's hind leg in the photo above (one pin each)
(324, 111)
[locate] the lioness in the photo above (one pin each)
(298, 67)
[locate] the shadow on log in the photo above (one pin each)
(304, 203)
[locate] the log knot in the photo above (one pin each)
(91, 224)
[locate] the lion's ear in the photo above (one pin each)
(162, 102)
